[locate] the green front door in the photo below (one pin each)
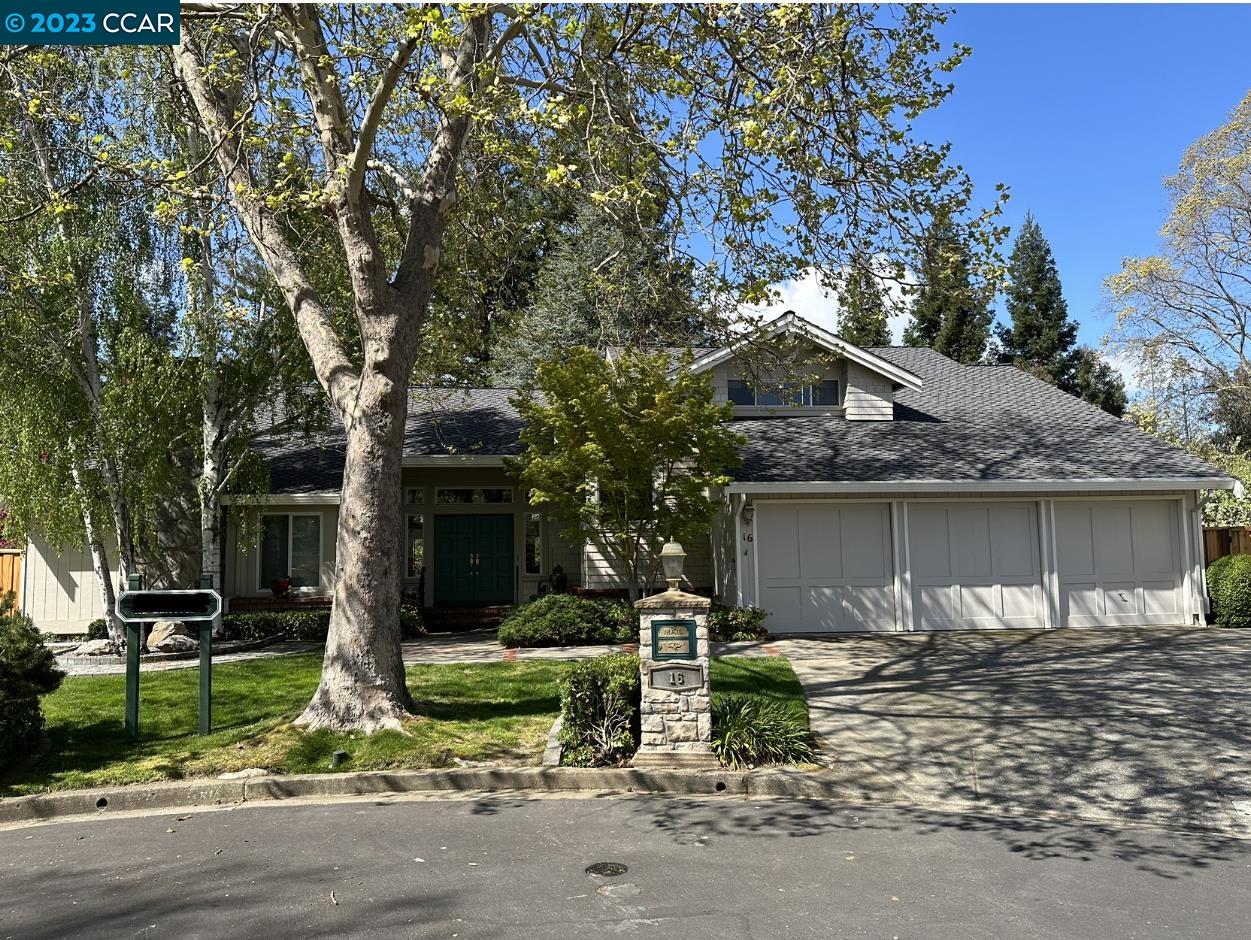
(473, 559)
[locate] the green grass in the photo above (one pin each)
(764, 677)
(496, 712)
(492, 712)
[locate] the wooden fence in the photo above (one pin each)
(1226, 540)
(11, 571)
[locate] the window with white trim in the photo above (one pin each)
(416, 545)
(291, 548)
(791, 394)
(454, 495)
(534, 543)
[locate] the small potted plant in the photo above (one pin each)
(280, 586)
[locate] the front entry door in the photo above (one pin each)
(473, 559)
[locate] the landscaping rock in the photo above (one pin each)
(163, 630)
(95, 648)
(175, 643)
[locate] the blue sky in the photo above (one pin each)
(1082, 111)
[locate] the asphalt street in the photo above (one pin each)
(515, 866)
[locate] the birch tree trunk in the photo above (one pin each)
(100, 565)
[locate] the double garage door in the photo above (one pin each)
(827, 567)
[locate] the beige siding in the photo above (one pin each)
(600, 573)
(723, 546)
(60, 593)
(869, 397)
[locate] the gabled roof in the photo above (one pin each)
(791, 322)
(972, 426)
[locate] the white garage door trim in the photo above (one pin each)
(1123, 581)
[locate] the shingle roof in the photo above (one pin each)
(472, 421)
(966, 424)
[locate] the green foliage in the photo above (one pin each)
(748, 731)
(951, 310)
(1231, 592)
(737, 624)
(1095, 381)
(566, 620)
(599, 702)
(307, 626)
(1041, 335)
(98, 629)
(602, 284)
(27, 672)
(656, 444)
(864, 317)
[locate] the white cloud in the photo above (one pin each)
(811, 300)
(1127, 364)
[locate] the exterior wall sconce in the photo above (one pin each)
(749, 512)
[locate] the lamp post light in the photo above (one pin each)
(672, 557)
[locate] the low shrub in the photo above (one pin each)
(1215, 575)
(27, 672)
(98, 630)
(737, 624)
(566, 620)
(599, 702)
(1231, 598)
(306, 626)
(750, 731)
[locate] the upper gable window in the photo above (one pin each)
(792, 394)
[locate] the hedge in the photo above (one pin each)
(566, 620)
(27, 672)
(736, 624)
(1229, 588)
(306, 626)
(599, 704)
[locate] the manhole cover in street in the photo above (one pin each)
(607, 869)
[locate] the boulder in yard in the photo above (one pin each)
(174, 643)
(95, 648)
(163, 629)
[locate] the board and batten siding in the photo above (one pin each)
(60, 593)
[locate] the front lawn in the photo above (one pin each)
(496, 712)
(770, 678)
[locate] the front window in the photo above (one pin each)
(791, 394)
(291, 548)
(534, 543)
(473, 494)
(416, 541)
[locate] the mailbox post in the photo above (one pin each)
(676, 708)
(135, 607)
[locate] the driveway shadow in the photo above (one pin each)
(1147, 724)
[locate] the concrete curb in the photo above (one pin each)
(215, 792)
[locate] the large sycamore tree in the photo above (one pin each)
(766, 139)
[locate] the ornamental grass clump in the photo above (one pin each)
(748, 731)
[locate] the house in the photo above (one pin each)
(895, 490)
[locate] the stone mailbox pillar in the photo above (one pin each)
(676, 711)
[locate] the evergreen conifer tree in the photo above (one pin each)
(863, 320)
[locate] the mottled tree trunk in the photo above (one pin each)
(362, 681)
(100, 564)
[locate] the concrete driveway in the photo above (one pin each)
(1151, 724)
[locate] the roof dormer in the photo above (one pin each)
(823, 375)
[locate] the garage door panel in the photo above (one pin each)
(1114, 541)
(929, 542)
(866, 546)
(820, 544)
(986, 574)
(1136, 572)
(1013, 556)
(1161, 597)
(826, 567)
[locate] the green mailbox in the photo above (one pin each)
(136, 607)
(673, 639)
